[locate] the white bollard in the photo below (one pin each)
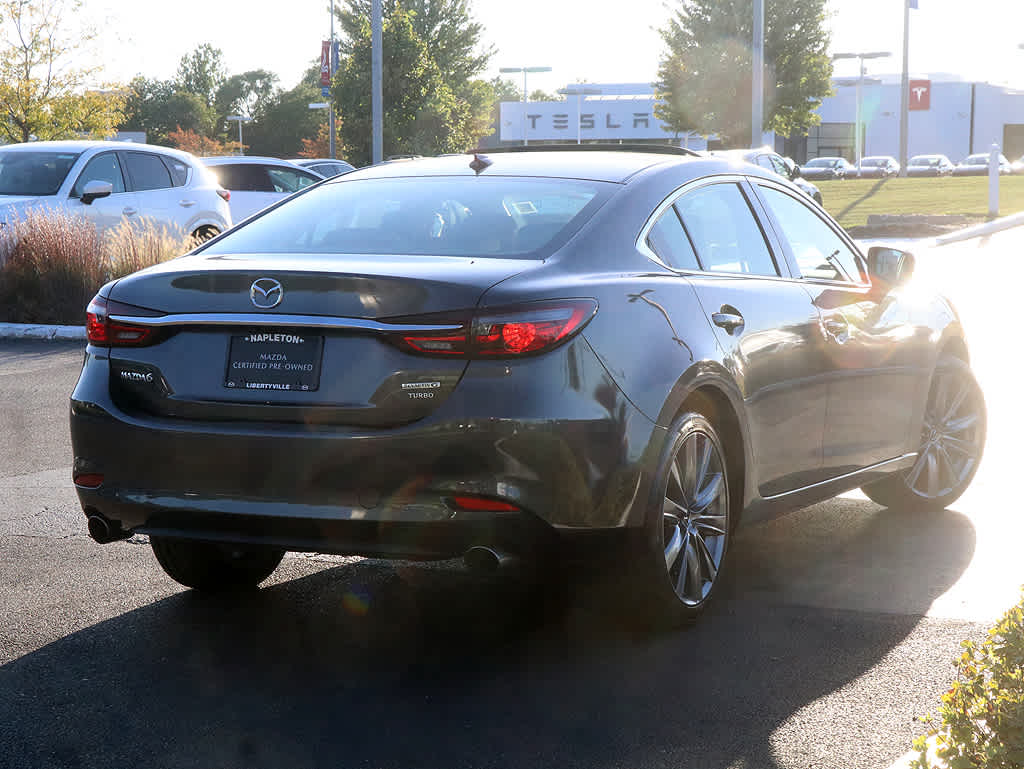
(993, 181)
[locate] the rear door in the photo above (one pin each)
(878, 359)
(151, 180)
(250, 186)
(764, 322)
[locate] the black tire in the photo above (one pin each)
(663, 591)
(212, 566)
(955, 439)
(204, 234)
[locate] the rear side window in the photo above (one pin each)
(147, 172)
(179, 171)
(443, 216)
(724, 232)
(288, 180)
(819, 251)
(668, 240)
(105, 168)
(243, 177)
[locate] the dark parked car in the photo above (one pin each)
(929, 165)
(827, 168)
(326, 167)
(977, 165)
(773, 161)
(880, 167)
(506, 355)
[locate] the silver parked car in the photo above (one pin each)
(257, 182)
(112, 182)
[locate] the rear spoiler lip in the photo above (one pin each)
(283, 321)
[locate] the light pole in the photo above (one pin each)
(858, 138)
(524, 70)
(757, 78)
(580, 92)
(330, 114)
(240, 119)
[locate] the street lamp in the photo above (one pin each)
(524, 70)
(858, 139)
(240, 119)
(581, 93)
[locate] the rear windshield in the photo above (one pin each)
(34, 173)
(821, 163)
(442, 216)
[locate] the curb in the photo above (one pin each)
(41, 331)
(982, 230)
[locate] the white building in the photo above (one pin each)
(950, 117)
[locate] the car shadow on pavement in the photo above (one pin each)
(376, 664)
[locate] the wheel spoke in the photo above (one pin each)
(675, 544)
(959, 445)
(702, 465)
(678, 480)
(689, 459)
(691, 571)
(951, 468)
(957, 402)
(962, 424)
(709, 562)
(915, 472)
(933, 475)
(673, 508)
(709, 494)
(714, 524)
(684, 568)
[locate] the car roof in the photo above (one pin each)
(81, 145)
(604, 166)
(219, 160)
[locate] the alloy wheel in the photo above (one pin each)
(695, 518)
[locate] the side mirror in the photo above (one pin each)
(889, 267)
(96, 189)
(794, 172)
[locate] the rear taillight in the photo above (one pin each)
(224, 194)
(507, 332)
(104, 332)
(476, 504)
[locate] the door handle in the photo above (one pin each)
(727, 320)
(129, 211)
(186, 203)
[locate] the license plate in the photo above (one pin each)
(274, 360)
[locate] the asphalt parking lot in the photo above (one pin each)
(835, 629)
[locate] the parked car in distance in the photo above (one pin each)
(773, 161)
(827, 168)
(878, 167)
(522, 354)
(1018, 165)
(930, 165)
(108, 183)
(326, 167)
(977, 165)
(257, 182)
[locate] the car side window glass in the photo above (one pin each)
(819, 251)
(105, 168)
(724, 232)
(779, 166)
(287, 180)
(179, 171)
(243, 177)
(147, 172)
(669, 241)
(765, 162)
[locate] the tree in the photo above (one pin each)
(42, 93)
(705, 74)
(421, 114)
(159, 107)
(505, 90)
(200, 145)
(202, 72)
(250, 93)
(285, 122)
(320, 147)
(446, 27)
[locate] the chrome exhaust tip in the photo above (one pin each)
(487, 560)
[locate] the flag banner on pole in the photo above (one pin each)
(325, 63)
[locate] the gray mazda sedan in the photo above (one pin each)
(518, 356)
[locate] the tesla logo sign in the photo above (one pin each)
(920, 94)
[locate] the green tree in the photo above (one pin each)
(250, 93)
(160, 107)
(421, 114)
(42, 93)
(284, 122)
(705, 73)
(202, 72)
(505, 90)
(446, 27)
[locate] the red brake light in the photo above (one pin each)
(103, 332)
(89, 480)
(483, 505)
(225, 194)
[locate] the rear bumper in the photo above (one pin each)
(551, 435)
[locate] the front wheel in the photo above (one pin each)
(680, 560)
(952, 441)
(212, 566)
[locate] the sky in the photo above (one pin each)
(593, 41)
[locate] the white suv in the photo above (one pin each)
(111, 182)
(255, 182)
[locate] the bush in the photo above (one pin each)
(52, 264)
(983, 712)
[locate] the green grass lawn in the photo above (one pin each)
(852, 201)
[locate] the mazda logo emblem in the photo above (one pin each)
(266, 293)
